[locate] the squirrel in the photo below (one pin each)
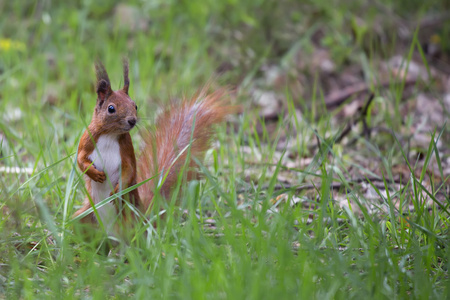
(106, 155)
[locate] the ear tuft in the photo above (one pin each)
(126, 79)
(103, 83)
(101, 73)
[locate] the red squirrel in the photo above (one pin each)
(106, 154)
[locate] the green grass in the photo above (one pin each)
(225, 236)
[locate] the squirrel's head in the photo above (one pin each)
(115, 112)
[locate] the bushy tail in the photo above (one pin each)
(190, 120)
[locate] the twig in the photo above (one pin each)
(317, 139)
(346, 131)
(362, 117)
(336, 98)
(366, 129)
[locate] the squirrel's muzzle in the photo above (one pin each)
(132, 122)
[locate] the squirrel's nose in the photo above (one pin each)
(132, 122)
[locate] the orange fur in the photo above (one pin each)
(172, 133)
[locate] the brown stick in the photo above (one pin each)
(336, 98)
(362, 117)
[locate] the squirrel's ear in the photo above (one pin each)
(103, 91)
(126, 79)
(103, 83)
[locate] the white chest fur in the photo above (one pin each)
(106, 158)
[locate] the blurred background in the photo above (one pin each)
(303, 47)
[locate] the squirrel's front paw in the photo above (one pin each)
(99, 176)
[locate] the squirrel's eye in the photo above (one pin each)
(136, 107)
(111, 109)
